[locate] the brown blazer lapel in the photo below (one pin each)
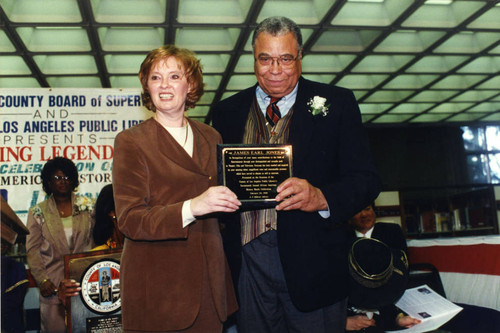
(203, 152)
(169, 148)
(173, 151)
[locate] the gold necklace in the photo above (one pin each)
(61, 211)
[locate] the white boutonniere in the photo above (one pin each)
(83, 204)
(317, 106)
(36, 211)
(37, 214)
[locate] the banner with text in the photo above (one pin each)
(80, 124)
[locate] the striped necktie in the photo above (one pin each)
(273, 113)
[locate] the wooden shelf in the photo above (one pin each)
(449, 211)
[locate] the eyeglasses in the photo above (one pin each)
(61, 178)
(283, 61)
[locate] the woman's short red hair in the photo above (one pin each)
(192, 68)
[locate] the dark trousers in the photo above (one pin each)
(265, 305)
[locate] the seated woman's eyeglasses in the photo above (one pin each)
(283, 61)
(61, 178)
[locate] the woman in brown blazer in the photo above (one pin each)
(174, 275)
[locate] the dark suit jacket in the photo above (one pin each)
(332, 153)
(162, 263)
(14, 287)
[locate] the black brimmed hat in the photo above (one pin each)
(379, 274)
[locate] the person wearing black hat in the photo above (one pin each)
(379, 274)
(363, 225)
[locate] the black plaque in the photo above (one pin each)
(109, 324)
(253, 172)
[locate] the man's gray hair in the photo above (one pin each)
(278, 26)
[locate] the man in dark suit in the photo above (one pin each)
(388, 317)
(290, 262)
(363, 225)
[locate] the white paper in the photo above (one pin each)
(425, 304)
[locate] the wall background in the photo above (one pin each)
(409, 157)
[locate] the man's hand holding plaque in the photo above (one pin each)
(296, 193)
